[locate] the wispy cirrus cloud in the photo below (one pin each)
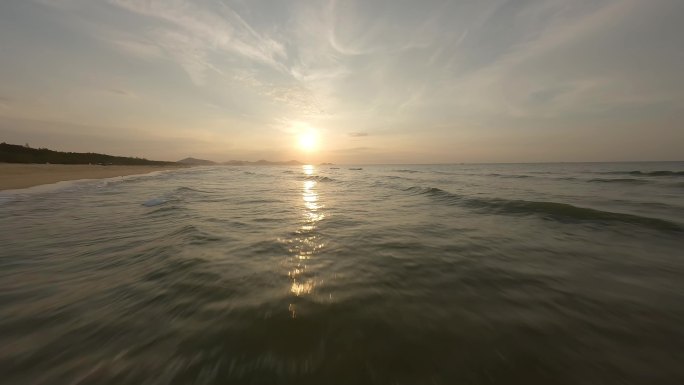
(4, 103)
(121, 92)
(192, 31)
(544, 73)
(447, 72)
(289, 92)
(136, 47)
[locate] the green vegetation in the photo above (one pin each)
(13, 153)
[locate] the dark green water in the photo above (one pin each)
(463, 274)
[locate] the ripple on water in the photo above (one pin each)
(289, 276)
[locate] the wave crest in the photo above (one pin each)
(319, 178)
(619, 180)
(516, 176)
(561, 212)
(646, 173)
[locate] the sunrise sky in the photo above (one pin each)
(359, 81)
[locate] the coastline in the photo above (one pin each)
(24, 175)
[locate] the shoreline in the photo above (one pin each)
(14, 176)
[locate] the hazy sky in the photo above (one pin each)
(379, 81)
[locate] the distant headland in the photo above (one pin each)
(14, 153)
(204, 162)
(262, 163)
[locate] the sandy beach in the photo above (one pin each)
(17, 176)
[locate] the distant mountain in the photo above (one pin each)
(14, 153)
(262, 163)
(196, 162)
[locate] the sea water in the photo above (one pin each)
(411, 274)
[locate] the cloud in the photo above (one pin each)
(444, 71)
(353, 150)
(293, 93)
(558, 59)
(4, 104)
(118, 91)
(140, 49)
(191, 33)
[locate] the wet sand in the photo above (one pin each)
(17, 176)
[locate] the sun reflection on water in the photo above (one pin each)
(306, 243)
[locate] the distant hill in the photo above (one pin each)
(13, 153)
(196, 162)
(262, 163)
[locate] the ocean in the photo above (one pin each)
(567, 273)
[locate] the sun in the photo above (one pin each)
(308, 141)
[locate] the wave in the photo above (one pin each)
(407, 171)
(560, 212)
(6, 198)
(510, 176)
(646, 173)
(155, 202)
(174, 196)
(192, 235)
(398, 177)
(319, 178)
(258, 201)
(190, 189)
(619, 180)
(163, 210)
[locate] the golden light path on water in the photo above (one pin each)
(306, 243)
